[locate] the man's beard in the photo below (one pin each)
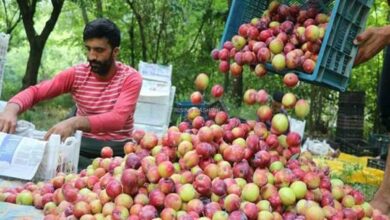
(101, 67)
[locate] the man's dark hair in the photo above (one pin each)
(103, 28)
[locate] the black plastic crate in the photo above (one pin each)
(376, 163)
(351, 109)
(358, 147)
(344, 116)
(348, 133)
(381, 141)
(350, 122)
(354, 97)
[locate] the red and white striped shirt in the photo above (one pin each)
(108, 104)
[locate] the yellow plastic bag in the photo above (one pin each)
(353, 159)
(353, 169)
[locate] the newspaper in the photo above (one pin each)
(20, 156)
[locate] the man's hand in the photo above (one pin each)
(8, 118)
(64, 129)
(67, 127)
(371, 42)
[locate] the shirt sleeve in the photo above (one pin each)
(123, 108)
(47, 89)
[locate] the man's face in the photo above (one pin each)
(100, 55)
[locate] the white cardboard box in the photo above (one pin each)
(155, 91)
(154, 71)
(151, 113)
(155, 110)
(154, 106)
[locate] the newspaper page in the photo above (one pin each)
(20, 156)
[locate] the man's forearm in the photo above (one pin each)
(12, 108)
(81, 123)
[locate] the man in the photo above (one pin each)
(370, 43)
(105, 92)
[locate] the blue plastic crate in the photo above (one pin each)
(337, 53)
(181, 108)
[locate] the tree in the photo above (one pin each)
(84, 11)
(36, 41)
(11, 17)
(141, 26)
(99, 8)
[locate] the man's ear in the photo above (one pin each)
(115, 52)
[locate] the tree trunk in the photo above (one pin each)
(315, 122)
(132, 43)
(320, 126)
(237, 85)
(378, 128)
(205, 18)
(84, 11)
(237, 90)
(141, 29)
(209, 32)
(160, 32)
(99, 8)
(37, 42)
(313, 100)
(33, 63)
(377, 121)
(226, 82)
(164, 56)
